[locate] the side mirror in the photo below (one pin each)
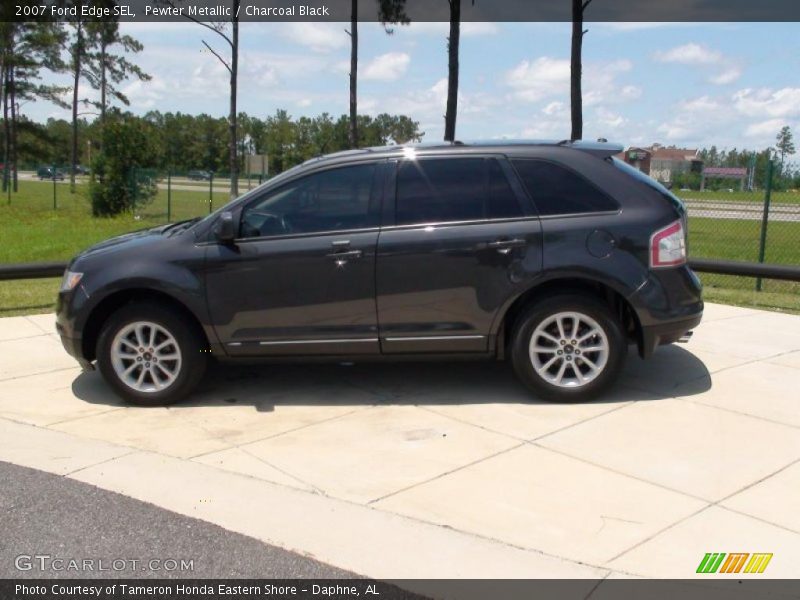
(225, 229)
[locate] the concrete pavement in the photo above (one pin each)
(449, 470)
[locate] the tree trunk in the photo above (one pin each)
(103, 83)
(234, 162)
(12, 153)
(76, 76)
(354, 74)
(576, 95)
(6, 130)
(452, 71)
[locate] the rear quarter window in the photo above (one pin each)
(557, 190)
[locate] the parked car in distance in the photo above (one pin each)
(50, 173)
(81, 170)
(552, 255)
(199, 175)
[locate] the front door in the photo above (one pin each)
(301, 277)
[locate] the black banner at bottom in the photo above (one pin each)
(407, 589)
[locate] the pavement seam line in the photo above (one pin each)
(469, 424)
(716, 503)
(737, 412)
(586, 420)
(102, 462)
(622, 473)
(25, 337)
(319, 491)
(274, 435)
(765, 521)
(39, 327)
(444, 474)
(659, 532)
(757, 481)
(233, 445)
(38, 374)
(71, 419)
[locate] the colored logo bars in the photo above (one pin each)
(716, 562)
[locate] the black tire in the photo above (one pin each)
(191, 345)
(527, 323)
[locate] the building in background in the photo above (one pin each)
(662, 163)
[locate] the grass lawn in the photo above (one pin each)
(32, 231)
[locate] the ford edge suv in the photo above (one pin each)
(555, 256)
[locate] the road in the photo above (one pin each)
(743, 211)
(45, 514)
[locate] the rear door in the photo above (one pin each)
(460, 239)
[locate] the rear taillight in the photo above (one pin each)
(668, 246)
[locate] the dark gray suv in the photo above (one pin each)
(553, 255)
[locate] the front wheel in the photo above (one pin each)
(568, 348)
(150, 355)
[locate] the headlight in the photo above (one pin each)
(71, 279)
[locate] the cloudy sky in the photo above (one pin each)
(733, 84)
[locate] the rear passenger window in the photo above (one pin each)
(453, 189)
(503, 202)
(557, 190)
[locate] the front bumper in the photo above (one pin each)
(65, 327)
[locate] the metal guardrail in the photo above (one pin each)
(43, 270)
(38, 270)
(746, 269)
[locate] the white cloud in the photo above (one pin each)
(631, 92)
(727, 76)
(765, 128)
(767, 102)
(689, 54)
(320, 37)
(701, 104)
(608, 120)
(698, 55)
(544, 77)
(386, 67)
(554, 108)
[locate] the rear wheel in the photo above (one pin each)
(568, 348)
(150, 355)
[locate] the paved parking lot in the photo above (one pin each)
(449, 470)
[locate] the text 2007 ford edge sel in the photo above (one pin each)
(556, 256)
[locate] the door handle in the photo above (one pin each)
(345, 254)
(505, 246)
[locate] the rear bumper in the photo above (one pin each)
(668, 305)
(666, 333)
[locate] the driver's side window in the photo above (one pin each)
(332, 200)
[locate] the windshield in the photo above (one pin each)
(649, 181)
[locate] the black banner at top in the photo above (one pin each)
(415, 10)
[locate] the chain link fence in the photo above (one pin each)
(754, 225)
(178, 194)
